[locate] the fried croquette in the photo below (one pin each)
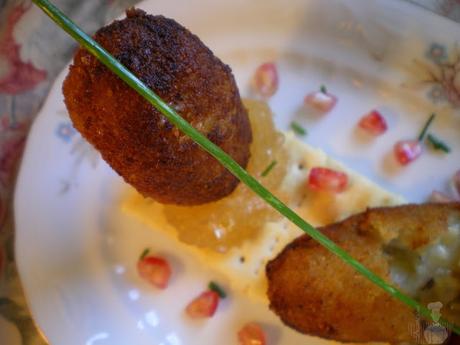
(133, 137)
(414, 247)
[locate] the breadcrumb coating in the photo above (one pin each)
(314, 292)
(133, 137)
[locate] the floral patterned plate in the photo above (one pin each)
(77, 252)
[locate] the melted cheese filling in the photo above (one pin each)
(432, 273)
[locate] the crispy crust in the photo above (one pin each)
(313, 292)
(133, 137)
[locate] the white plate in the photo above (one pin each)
(76, 252)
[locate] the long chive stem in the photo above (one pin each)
(73, 30)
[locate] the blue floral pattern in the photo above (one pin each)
(65, 131)
(437, 53)
(437, 94)
(440, 71)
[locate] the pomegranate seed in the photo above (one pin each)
(321, 101)
(373, 123)
(406, 151)
(203, 306)
(456, 184)
(439, 197)
(325, 179)
(155, 270)
(251, 334)
(265, 80)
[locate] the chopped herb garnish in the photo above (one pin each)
(323, 89)
(298, 128)
(268, 168)
(437, 143)
(216, 288)
(425, 128)
(144, 253)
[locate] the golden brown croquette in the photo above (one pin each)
(133, 137)
(316, 293)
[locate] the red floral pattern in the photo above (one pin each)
(10, 151)
(3, 209)
(16, 76)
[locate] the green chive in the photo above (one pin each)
(144, 253)
(269, 168)
(437, 143)
(298, 129)
(216, 288)
(323, 89)
(108, 60)
(425, 128)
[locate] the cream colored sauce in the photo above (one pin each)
(240, 216)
